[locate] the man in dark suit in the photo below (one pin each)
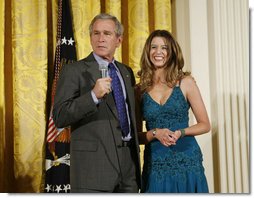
(103, 157)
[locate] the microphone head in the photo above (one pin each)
(103, 67)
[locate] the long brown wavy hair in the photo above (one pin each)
(174, 64)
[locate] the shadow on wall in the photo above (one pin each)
(230, 136)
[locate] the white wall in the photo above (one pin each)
(214, 37)
(191, 33)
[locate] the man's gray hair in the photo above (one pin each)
(119, 27)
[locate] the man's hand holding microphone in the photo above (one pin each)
(103, 84)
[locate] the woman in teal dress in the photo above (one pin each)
(172, 156)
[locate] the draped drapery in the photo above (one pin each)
(28, 40)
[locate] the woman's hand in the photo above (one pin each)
(166, 137)
(177, 134)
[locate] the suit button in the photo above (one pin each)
(118, 127)
(119, 146)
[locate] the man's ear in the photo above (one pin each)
(120, 40)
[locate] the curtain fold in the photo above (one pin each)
(2, 110)
(138, 30)
(114, 7)
(162, 10)
(7, 128)
(29, 55)
(83, 12)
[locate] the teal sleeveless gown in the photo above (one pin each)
(177, 168)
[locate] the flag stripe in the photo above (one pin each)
(52, 130)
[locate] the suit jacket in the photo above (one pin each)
(96, 132)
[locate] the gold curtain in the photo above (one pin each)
(2, 110)
(28, 41)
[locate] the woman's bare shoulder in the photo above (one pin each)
(188, 80)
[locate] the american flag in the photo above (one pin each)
(53, 132)
(57, 165)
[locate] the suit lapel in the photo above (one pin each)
(93, 69)
(109, 99)
(127, 77)
(127, 82)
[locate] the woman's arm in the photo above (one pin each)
(165, 136)
(192, 94)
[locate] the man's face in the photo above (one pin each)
(104, 40)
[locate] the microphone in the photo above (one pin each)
(103, 67)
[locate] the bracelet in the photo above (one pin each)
(154, 132)
(182, 133)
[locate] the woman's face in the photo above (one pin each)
(158, 52)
